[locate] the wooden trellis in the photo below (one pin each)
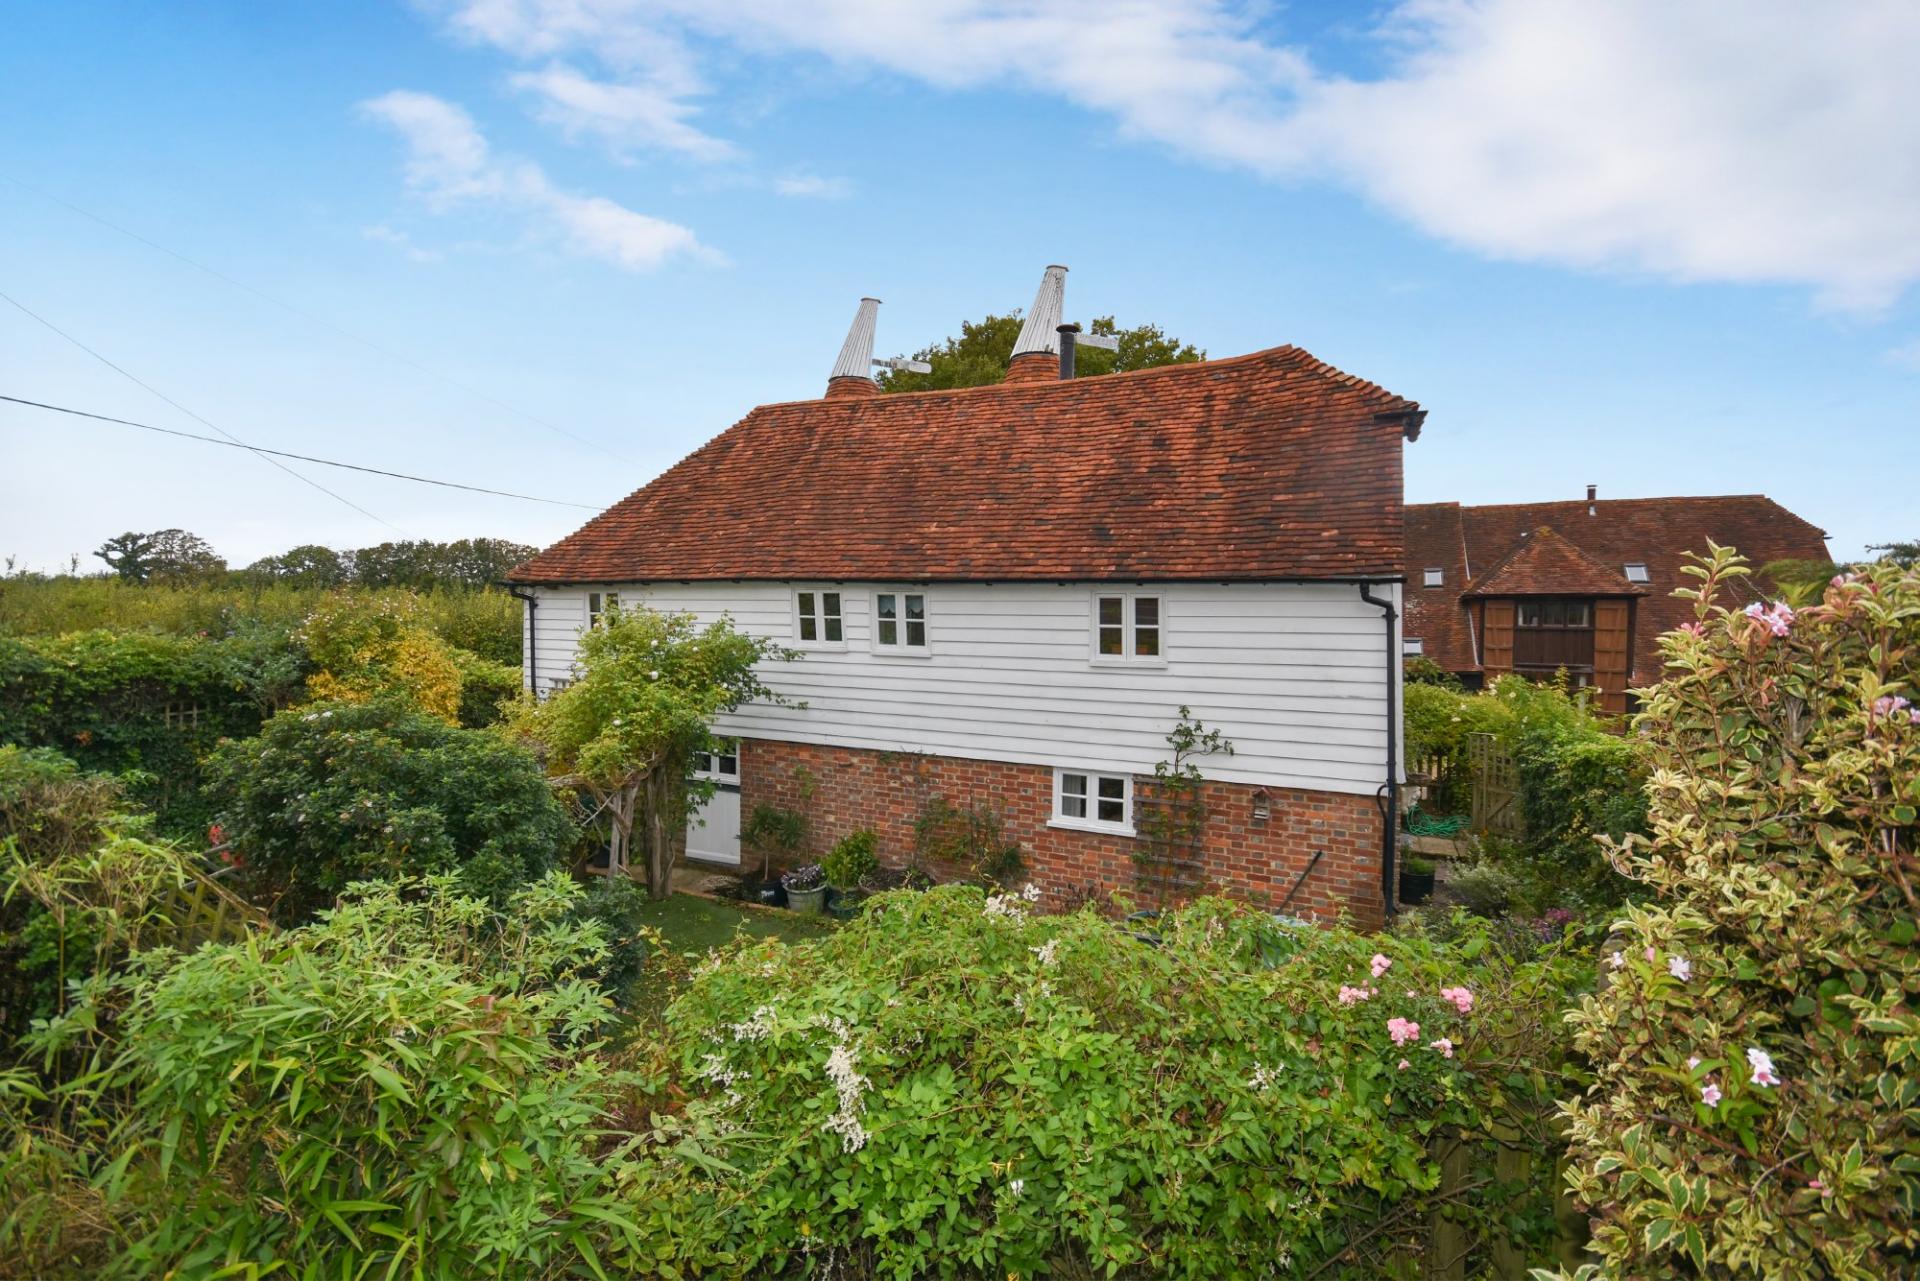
(1496, 787)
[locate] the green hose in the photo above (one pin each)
(1423, 824)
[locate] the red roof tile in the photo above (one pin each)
(1270, 465)
(1614, 532)
(1543, 563)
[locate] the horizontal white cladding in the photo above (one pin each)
(1293, 674)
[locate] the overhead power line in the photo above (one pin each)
(264, 454)
(323, 322)
(305, 458)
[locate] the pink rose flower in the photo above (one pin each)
(1462, 999)
(1404, 1065)
(1381, 964)
(1403, 1030)
(1443, 1045)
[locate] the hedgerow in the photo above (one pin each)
(1756, 1105)
(950, 1086)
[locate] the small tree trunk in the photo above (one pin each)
(659, 835)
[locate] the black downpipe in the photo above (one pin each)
(1390, 815)
(533, 633)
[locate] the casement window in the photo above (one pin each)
(1096, 802)
(721, 765)
(1550, 635)
(181, 715)
(599, 605)
(816, 618)
(1433, 576)
(1128, 627)
(1636, 572)
(900, 622)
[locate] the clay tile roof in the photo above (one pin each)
(1545, 564)
(1270, 465)
(1471, 543)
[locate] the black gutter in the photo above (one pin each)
(533, 633)
(1225, 580)
(1390, 812)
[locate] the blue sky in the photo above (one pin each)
(1621, 245)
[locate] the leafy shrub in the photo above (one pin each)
(1421, 670)
(948, 1086)
(145, 705)
(1757, 1106)
(332, 793)
(973, 838)
(851, 859)
(487, 688)
(377, 649)
(408, 1087)
(771, 831)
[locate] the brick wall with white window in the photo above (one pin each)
(1257, 844)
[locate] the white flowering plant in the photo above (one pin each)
(1756, 1103)
(959, 1085)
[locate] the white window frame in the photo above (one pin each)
(1129, 623)
(1640, 577)
(901, 622)
(1433, 576)
(711, 765)
(820, 617)
(1091, 798)
(598, 603)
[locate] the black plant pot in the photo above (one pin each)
(1415, 887)
(766, 893)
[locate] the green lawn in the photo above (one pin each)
(692, 924)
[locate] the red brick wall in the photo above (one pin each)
(854, 788)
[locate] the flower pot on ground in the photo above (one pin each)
(844, 905)
(806, 888)
(1416, 881)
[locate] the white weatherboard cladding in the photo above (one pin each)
(1294, 674)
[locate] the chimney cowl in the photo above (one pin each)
(853, 372)
(1036, 355)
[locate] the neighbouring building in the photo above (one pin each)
(1584, 587)
(1004, 595)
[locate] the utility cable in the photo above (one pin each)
(305, 458)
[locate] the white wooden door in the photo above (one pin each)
(713, 829)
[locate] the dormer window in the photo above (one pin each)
(1636, 572)
(1434, 576)
(816, 617)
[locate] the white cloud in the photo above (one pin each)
(1771, 142)
(402, 241)
(807, 186)
(1906, 355)
(625, 116)
(449, 163)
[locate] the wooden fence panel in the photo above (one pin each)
(1496, 787)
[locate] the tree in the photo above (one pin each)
(129, 555)
(1906, 555)
(308, 565)
(332, 793)
(627, 729)
(179, 557)
(424, 565)
(364, 648)
(979, 356)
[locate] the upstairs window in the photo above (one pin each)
(1097, 802)
(1551, 634)
(900, 622)
(599, 605)
(1128, 627)
(1636, 572)
(817, 618)
(1433, 576)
